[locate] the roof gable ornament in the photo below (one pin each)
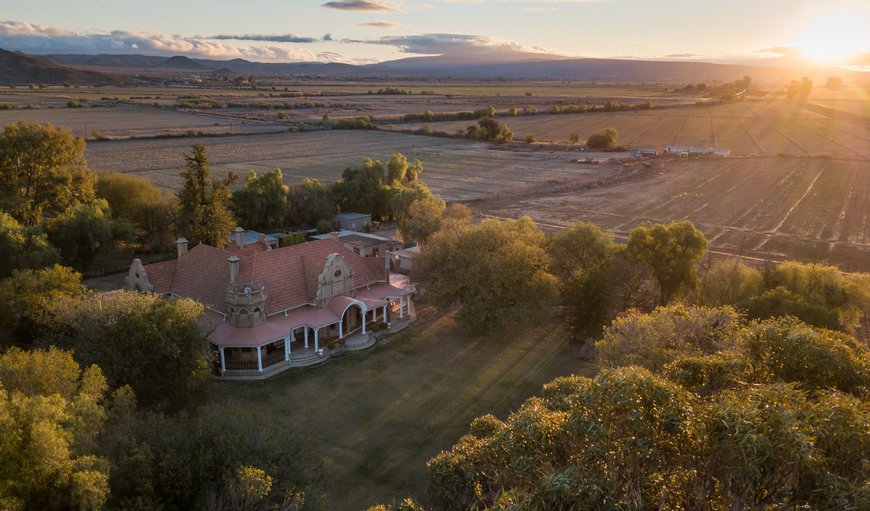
(336, 278)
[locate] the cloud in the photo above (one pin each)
(362, 5)
(778, 51)
(683, 56)
(437, 44)
(272, 38)
(380, 24)
(39, 39)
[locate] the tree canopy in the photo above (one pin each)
(42, 168)
(383, 190)
(153, 344)
(23, 247)
(261, 202)
(86, 230)
(671, 252)
(151, 211)
(494, 271)
(205, 214)
(604, 139)
(27, 294)
(490, 130)
(582, 259)
(51, 415)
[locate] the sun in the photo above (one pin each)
(834, 37)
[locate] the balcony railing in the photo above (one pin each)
(246, 293)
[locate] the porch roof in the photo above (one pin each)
(274, 328)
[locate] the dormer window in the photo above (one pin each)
(338, 273)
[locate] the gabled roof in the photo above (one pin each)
(289, 273)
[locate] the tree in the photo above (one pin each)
(490, 130)
(385, 191)
(494, 271)
(581, 257)
(262, 201)
(579, 446)
(574, 138)
(23, 247)
(51, 416)
(27, 294)
(422, 219)
(658, 338)
(85, 231)
(152, 344)
(151, 211)
(42, 168)
(205, 214)
(604, 139)
(671, 252)
(788, 350)
(729, 282)
(310, 202)
(210, 459)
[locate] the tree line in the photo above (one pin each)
(54, 209)
(723, 386)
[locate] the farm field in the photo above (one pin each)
(750, 127)
(294, 103)
(456, 169)
(128, 120)
(375, 417)
(778, 207)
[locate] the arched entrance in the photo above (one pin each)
(352, 319)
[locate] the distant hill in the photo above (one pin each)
(181, 62)
(580, 69)
(19, 69)
(474, 65)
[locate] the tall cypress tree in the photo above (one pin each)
(205, 215)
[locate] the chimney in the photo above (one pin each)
(234, 267)
(240, 237)
(181, 245)
(334, 235)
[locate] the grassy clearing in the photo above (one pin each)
(375, 418)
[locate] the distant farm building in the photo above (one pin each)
(691, 151)
(352, 221)
(637, 153)
(242, 238)
(364, 244)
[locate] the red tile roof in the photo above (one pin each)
(289, 273)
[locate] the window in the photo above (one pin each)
(376, 252)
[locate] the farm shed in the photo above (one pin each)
(364, 244)
(352, 221)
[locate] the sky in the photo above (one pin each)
(364, 31)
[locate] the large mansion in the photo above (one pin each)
(275, 308)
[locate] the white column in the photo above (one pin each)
(316, 342)
(223, 361)
(341, 327)
(401, 307)
(287, 348)
(259, 360)
(385, 312)
(306, 337)
(365, 316)
(409, 306)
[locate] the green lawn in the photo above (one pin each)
(374, 418)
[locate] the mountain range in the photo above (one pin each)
(17, 68)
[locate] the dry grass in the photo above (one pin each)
(778, 207)
(376, 417)
(752, 127)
